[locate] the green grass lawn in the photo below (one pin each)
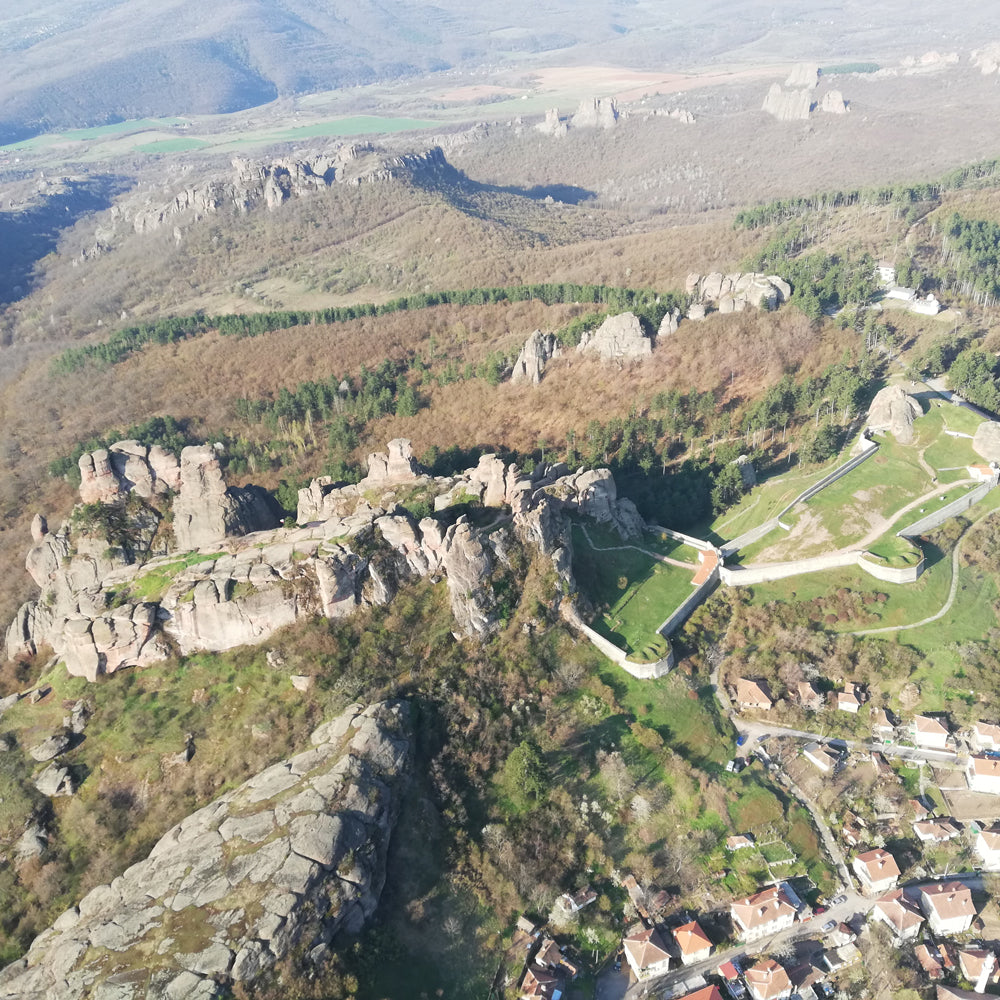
(356, 125)
(896, 551)
(633, 592)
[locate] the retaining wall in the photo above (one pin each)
(742, 576)
(680, 615)
(641, 671)
(932, 521)
(749, 537)
(891, 574)
(679, 536)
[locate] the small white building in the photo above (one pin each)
(768, 980)
(948, 907)
(929, 732)
(983, 774)
(988, 847)
(645, 953)
(753, 695)
(849, 700)
(883, 727)
(826, 760)
(877, 870)
(979, 966)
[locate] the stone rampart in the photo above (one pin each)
(680, 614)
(950, 510)
(890, 574)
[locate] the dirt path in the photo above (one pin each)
(952, 593)
(646, 552)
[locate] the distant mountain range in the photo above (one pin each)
(71, 63)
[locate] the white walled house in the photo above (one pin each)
(692, 942)
(900, 914)
(645, 953)
(762, 914)
(983, 774)
(877, 870)
(929, 732)
(948, 906)
(988, 848)
(985, 736)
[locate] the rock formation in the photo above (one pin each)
(126, 466)
(669, 323)
(345, 554)
(893, 411)
(734, 292)
(803, 75)
(599, 112)
(390, 468)
(986, 440)
(787, 105)
(205, 511)
(833, 103)
(280, 866)
(538, 350)
(552, 125)
(254, 183)
(987, 59)
(617, 338)
(747, 471)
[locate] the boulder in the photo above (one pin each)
(617, 338)
(986, 440)
(55, 780)
(669, 323)
(833, 103)
(893, 411)
(538, 350)
(50, 748)
(735, 292)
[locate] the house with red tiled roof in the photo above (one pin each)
(929, 732)
(538, 984)
(849, 700)
(983, 773)
(988, 847)
(948, 906)
(929, 960)
(646, 953)
(761, 914)
(877, 870)
(899, 913)
(979, 966)
(738, 841)
(985, 736)
(809, 698)
(692, 942)
(883, 725)
(705, 993)
(954, 993)
(936, 831)
(753, 694)
(768, 980)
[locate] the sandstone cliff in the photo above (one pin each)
(280, 866)
(617, 338)
(227, 585)
(735, 292)
(893, 411)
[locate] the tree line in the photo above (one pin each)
(980, 174)
(127, 341)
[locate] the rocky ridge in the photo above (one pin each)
(617, 338)
(354, 546)
(254, 183)
(281, 865)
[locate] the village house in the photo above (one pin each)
(574, 902)
(900, 914)
(983, 774)
(936, 831)
(751, 694)
(883, 724)
(929, 959)
(988, 847)
(948, 906)
(979, 966)
(764, 913)
(645, 953)
(920, 809)
(849, 700)
(705, 993)
(538, 984)
(877, 871)
(768, 980)
(738, 841)
(985, 736)
(809, 698)
(692, 942)
(954, 993)
(929, 732)
(826, 760)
